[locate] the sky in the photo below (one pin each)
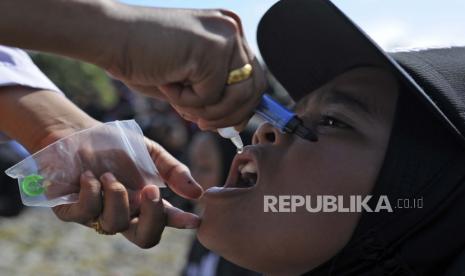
(393, 24)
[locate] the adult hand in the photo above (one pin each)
(183, 56)
(145, 228)
(141, 223)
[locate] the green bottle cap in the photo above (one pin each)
(32, 185)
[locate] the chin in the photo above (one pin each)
(223, 237)
(230, 239)
(230, 212)
(233, 225)
(245, 256)
(241, 240)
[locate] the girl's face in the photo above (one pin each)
(353, 115)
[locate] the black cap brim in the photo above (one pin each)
(306, 43)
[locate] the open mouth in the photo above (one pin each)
(243, 172)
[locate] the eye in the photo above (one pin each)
(328, 121)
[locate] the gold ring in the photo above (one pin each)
(240, 74)
(97, 226)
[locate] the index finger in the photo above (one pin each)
(176, 174)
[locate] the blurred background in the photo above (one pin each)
(34, 242)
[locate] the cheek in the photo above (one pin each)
(316, 237)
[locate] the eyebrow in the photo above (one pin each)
(339, 96)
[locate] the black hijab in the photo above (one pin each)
(423, 160)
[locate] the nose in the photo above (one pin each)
(267, 134)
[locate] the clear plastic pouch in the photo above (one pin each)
(51, 176)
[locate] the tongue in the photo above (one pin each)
(248, 179)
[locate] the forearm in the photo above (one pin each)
(38, 118)
(83, 29)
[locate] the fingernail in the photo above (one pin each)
(89, 174)
(108, 177)
(151, 194)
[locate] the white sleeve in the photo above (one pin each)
(17, 68)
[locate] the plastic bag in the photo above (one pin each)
(51, 176)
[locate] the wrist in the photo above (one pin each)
(100, 39)
(110, 36)
(128, 30)
(36, 118)
(59, 130)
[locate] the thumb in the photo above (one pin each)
(177, 218)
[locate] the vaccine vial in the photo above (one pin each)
(232, 134)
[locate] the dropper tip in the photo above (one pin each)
(237, 141)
